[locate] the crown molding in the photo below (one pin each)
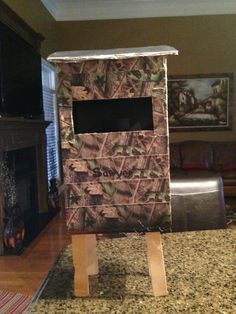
(81, 10)
(19, 26)
(52, 7)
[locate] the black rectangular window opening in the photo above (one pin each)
(112, 115)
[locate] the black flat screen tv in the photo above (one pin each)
(112, 115)
(20, 77)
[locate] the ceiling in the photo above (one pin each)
(79, 10)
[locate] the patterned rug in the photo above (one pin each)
(201, 277)
(14, 303)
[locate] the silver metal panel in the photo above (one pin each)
(121, 53)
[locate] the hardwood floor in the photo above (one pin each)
(26, 273)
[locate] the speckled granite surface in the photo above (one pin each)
(201, 276)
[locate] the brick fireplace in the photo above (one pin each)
(117, 176)
(24, 143)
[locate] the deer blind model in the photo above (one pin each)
(114, 139)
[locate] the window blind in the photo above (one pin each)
(51, 114)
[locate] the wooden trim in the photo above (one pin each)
(80, 261)
(156, 263)
(92, 268)
(85, 262)
(229, 190)
(1, 222)
(19, 26)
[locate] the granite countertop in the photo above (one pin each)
(200, 267)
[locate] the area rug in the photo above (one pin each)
(201, 277)
(14, 303)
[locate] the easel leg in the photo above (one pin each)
(92, 268)
(80, 260)
(156, 263)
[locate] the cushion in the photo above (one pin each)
(229, 166)
(229, 175)
(195, 166)
(196, 155)
(175, 161)
(228, 182)
(225, 155)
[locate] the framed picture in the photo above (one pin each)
(200, 102)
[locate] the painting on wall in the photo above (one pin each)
(200, 102)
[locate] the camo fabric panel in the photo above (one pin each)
(138, 218)
(97, 145)
(118, 168)
(117, 192)
(117, 181)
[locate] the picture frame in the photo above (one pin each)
(200, 102)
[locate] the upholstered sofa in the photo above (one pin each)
(194, 158)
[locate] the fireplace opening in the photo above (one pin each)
(112, 115)
(22, 221)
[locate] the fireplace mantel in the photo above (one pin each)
(23, 122)
(19, 133)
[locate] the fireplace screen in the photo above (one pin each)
(112, 115)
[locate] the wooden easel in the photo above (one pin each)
(86, 262)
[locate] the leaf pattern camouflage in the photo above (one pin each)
(117, 181)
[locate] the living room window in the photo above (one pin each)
(51, 114)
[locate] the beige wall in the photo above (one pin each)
(206, 45)
(35, 15)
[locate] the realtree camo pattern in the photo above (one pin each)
(118, 181)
